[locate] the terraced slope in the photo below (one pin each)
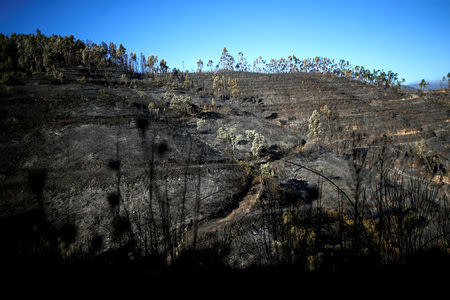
(97, 157)
(288, 100)
(360, 107)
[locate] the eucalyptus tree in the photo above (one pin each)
(292, 63)
(210, 65)
(132, 62)
(143, 63)
(112, 51)
(121, 54)
(272, 66)
(86, 57)
(226, 60)
(8, 54)
(242, 64)
(259, 65)
(391, 79)
(152, 62)
(163, 66)
(423, 84)
(199, 65)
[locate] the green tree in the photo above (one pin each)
(226, 60)
(85, 57)
(152, 62)
(112, 51)
(132, 62)
(143, 63)
(163, 66)
(259, 65)
(423, 84)
(199, 65)
(210, 65)
(8, 54)
(121, 54)
(242, 64)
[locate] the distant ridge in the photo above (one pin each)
(433, 85)
(409, 88)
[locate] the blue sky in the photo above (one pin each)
(409, 37)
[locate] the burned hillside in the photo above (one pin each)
(226, 169)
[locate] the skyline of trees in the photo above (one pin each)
(30, 53)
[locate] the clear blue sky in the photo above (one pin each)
(408, 37)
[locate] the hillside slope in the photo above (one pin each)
(123, 169)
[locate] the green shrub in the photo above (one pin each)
(8, 78)
(81, 79)
(228, 135)
(315, 126)
(258, 141)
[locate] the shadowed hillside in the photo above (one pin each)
(222, 171)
